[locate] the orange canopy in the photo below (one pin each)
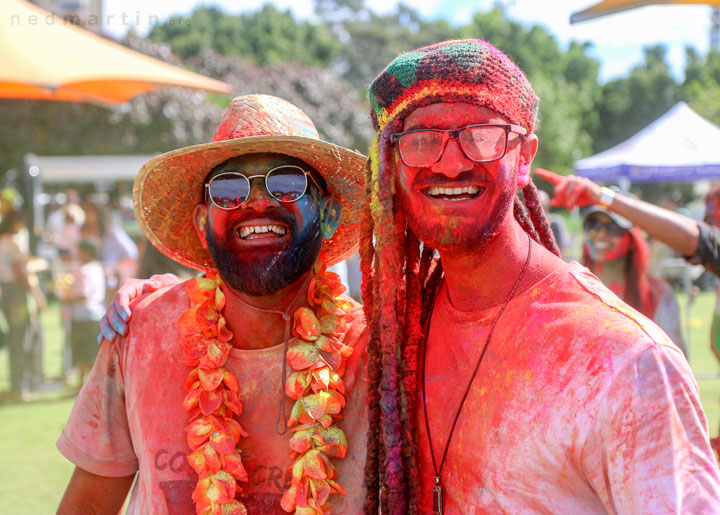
(615, 6)
(44, 57)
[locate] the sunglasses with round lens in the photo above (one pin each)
(286, 183)
(595, 225)
(420, 148)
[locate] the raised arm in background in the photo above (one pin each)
(674, 230)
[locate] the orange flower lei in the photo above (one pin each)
(317, 357)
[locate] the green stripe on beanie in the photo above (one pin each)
(465, 71)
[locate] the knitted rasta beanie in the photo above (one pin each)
(464, 71)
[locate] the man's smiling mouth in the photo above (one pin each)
(459, 193)
(257, 231)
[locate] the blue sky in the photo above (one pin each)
(618, 39)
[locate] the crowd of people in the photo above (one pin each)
(83, 254)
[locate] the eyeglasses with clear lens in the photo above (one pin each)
(286, 183)
(420, 148)
(595, 225)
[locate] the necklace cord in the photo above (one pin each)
(438, 470)
(281, 415)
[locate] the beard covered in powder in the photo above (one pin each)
(462, 233)
(260, 272)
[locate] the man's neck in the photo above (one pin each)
(483, 277)
(254, 329)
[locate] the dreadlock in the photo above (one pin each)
(539, 220)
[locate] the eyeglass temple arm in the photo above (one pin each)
(320, 188)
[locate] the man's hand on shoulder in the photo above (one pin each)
(115, 321)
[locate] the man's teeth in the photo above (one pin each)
(435, 191)
(259, 229)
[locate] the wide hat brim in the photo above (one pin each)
(170, 185)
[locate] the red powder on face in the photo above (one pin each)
(458, 220)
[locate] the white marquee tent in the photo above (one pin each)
(680, 146)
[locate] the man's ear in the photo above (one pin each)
(330, 213)
(200, 222)
(528, 149)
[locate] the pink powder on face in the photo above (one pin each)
(456, 224)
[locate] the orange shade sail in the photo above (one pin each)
(607, 7)
(43, 56)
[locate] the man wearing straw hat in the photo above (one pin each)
(228, 391)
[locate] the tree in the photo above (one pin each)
(701, 88)
(629, 104)
(265, 36)
(371, 40)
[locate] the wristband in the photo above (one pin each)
(606, 197)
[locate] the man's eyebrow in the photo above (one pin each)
(412, 126)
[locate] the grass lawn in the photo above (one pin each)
(34, 474)
(705, 367)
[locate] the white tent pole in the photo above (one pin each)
(624, 184)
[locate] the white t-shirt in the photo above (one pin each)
(89, 283)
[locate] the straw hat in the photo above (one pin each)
(170, 185)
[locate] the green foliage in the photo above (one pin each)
(701, 88)
(374, 40)
(629, 104)
(267, 35)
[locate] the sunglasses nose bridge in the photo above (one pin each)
(258, 197)
(610, 229)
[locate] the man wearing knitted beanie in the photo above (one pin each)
(508, 381)
(502, 379)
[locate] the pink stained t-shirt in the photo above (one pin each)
(129, 417)
(581, 406)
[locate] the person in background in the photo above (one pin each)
(712, 219)
(86, 295)
(698, 242)
(19, 289)
(118, 252)
(64, 224)
(618, 254)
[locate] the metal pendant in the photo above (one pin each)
(437, 497)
